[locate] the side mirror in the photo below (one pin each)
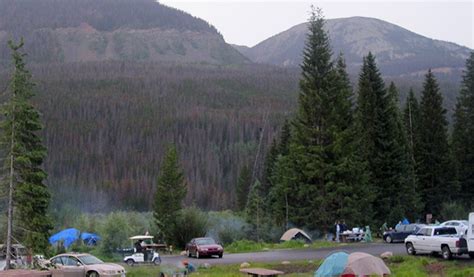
(78, 264)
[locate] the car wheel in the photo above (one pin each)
(446, 252)
(197, 255)
(220, 255)
(471, 254)
(93, 274)
(388, 239)
(410, 249)
(130, 262)
(157, 261)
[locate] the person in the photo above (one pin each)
(399, 224)
(338, 230)
(138, 246)
(343, 226)
(189, 266)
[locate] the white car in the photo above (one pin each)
(76, 264)
(460, 225)
(437, 239)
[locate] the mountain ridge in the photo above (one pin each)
(398, 50)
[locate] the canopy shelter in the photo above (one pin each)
(354, 264)
(67, 236)
(90, 238)
(295, 234)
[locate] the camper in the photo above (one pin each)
(470, 236)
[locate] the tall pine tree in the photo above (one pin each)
(411, 119)
(243, 187)
(382, 144)
(434, 167)
(24, 155)
(170, 193)
(463, 134)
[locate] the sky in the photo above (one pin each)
(248, 22)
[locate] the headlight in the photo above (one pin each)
(204, 249)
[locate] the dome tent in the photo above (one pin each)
(295, 234)
(356, 264)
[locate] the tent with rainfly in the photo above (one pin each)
(351, 265)
(67, 236)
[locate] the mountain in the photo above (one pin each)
(398, 50)
(106, 30)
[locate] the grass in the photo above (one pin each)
(404, 266)
(243, 246)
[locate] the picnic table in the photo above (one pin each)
(352, 237)
(257, 272)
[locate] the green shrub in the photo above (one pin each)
(191, 223)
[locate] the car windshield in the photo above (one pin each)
(206, 241)
(89, 260)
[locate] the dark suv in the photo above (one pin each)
(401, 232)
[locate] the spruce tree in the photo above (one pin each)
(463, 134)
(411, 118)
(434, 165)
(170, 192)
(243, 187)
(381, 134)
(24, 155)
(312, 133)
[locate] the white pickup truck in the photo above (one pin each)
(436, 239)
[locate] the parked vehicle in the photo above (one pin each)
(401, 232)
(470, 236)
(86, 265)
(18, 256)
(460, 225)
(200, 247)
(436, 239)
(146, 252)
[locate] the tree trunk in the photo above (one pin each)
(10, 203)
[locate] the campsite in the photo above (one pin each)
(236, 138)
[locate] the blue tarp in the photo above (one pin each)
(405, 221)
(89, 238)
(67, 236)
(333, 265)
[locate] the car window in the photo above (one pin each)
(57, 261)
(425, 232)
(205, 241)
(89, 260)
(445, 231)
(454, 223)
(69, 261)
(410, 228)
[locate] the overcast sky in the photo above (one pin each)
(248, 22)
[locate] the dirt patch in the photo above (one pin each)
(295, 268)
(435, 269)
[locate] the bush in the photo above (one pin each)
(453, 210)
(115, 232)
(191, 223)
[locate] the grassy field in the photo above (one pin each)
(245, 246)
(399, 265)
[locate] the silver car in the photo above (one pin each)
(76, 264)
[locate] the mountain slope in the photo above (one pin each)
(398, 51)
(99, 30)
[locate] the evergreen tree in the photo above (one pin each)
(381, 133)
(434, 160)
(24, 155)
(243, 187)
(411, 118)
(348, 187)
(463, 134)
(268, 166)
(311, 128)
(170, 193)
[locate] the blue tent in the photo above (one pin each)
(68, 236)
(405, 221)
(333, 265)
(89, 238)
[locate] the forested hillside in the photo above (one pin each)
(89, 30)
(107, 126)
